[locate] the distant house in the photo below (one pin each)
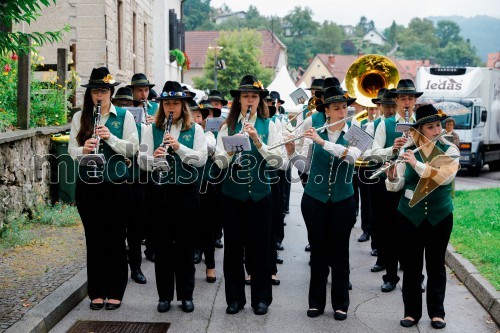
(348, 29)
(326, 65)
(375, 37)
(493, 60)
(197, 44)
(411, 66)
(225, 16)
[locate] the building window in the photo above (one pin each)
(119, 20)
(134, 40)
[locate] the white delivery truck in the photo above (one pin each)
(478, 90)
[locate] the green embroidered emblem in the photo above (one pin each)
(187, 137)
(116, 124)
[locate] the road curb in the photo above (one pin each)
(46, 314)
(482, 290)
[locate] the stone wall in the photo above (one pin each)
(25, 170)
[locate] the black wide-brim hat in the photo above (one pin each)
(427, 114)
(206, 105)
(272, 111)
(101, 78)
(406, 87)
(317, 84)
(380, 94)
(249, 84)
(124, 94)
(152, 95)
(215, 95)
(276, 96)
(327, 83)
(140, 80)
(188, 92)
(334, 94)
(173, 90)
(193, 106)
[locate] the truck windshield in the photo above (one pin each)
(461, 110)
(463, 121)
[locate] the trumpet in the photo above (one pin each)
(237, 159)
(400, 160)
(359, 117)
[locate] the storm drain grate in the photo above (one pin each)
(87, 326)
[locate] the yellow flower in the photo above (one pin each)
(346, 95)
(258, 84)
(108, 79)
(441, 113)
(201, 106)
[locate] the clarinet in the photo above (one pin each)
(145, 110)
(168, 127)
(237, 159)
(407, 120)
(97, 122)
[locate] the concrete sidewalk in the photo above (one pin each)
(370, 309)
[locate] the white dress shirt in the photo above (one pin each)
(127, 145)
(378, 147)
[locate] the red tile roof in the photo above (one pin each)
(197, 43)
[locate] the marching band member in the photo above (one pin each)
(424, 226)
(246, 197)
(175, 138)
(141, 88)
(101, 200)
(386, 145)
(328, 205)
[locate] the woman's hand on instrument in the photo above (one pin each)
(159, 152)
(150, 119)
(251, 131)
(103, 132)
(313, 135)
(89, 145)
(398, 143)
(391, 172)
(409, 157)
(290, 146)
(170, 141)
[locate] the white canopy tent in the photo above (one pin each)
(283, 84)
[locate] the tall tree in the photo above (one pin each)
(301, 21)
(13, 12)
(241, 53)
(447, 31)
(197, 13)
(328, 38)
(393, 32)
(458, 54)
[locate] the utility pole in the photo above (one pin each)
(216, 66)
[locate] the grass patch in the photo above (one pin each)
(17, 229)
(476, 230)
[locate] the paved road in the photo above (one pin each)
(486, 179)
(370, 309)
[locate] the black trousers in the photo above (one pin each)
(432, 240)
(135, 225)
(388, 234)
(286, 187)
(278, 217)
(329, 227)
(207, 222)
(363, 183)
(173, 238)
(104, 208)
(247, 227)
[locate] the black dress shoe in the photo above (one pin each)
(308, 248)
(279, 247)
(374, 253)
(233, 308)
(248, 282)
(260, 309)
(211, 279)
(364, 237)
(313, 313)
(278, 259)
(163, 306)
(437, 324)
(96, 306)
(407, 322)
(377, 268)
(112, 306)
(187, 306)
(275, 282)
(218, 244)
(339, 315)
(388, 286)
(197, 256)
(138, 277)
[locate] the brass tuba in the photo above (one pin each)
(367, 75)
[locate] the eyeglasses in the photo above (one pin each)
(96, 91)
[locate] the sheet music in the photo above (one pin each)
(236, 143)
(402, 127)
(299, 96)
(213, 124)
(357, 137)
(137, 112)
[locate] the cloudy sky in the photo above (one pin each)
(382, 12)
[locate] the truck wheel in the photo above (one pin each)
(474, 171)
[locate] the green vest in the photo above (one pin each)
(115, 169)
(434, 207)
(330, 177)
(376, 123)
(390, 131)
(152, 107)
(135, 170)
(318, 119)
(251, 181)
(179, 173)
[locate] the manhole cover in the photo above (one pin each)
(86, 326)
